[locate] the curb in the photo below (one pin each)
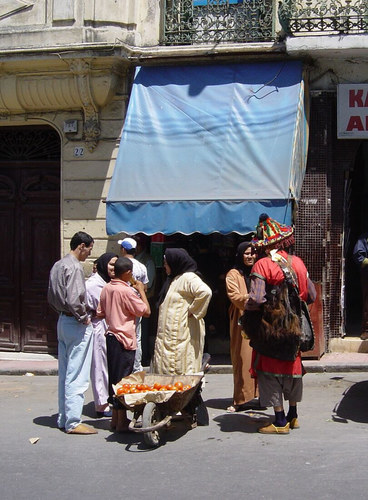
(24, 367)
(336, 368)
(327, 368)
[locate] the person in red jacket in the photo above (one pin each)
(277, 379)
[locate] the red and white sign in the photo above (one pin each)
(352, 111)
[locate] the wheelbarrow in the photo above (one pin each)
(154, 411)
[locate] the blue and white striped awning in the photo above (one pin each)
(208, 148)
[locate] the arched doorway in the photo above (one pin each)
(30, 240)
(356, 222)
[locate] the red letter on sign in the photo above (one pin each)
(355, 122)
(355, 98)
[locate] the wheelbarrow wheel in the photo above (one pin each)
(150, 417)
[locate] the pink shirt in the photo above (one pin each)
(120, 305)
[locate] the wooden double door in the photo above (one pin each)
(30, 236)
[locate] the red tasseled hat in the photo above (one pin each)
(269, 232)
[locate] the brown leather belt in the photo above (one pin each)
(67, 314)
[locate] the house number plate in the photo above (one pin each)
(78, 151)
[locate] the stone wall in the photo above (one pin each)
(53, 23)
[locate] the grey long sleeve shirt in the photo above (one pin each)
(67, 289)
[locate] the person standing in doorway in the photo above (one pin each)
(67, 296)
(360, 256)
(128, 248)
(144, 257)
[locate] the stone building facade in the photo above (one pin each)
(66, 70)
(64, 86)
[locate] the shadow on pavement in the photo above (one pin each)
(89, 410)
(134, 441)
(51, 421)
(219, 403)
(47, 421)
(247, 422)
(354, 404)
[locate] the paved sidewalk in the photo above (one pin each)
(21, 363)
(12, 363)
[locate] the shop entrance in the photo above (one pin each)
(215, 256)
(356, 222)
(30, 240)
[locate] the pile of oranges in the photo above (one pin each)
(141, 387)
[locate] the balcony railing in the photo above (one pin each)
(192, 22)
(324, 16)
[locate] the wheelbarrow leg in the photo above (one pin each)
(206, 358)
(119, 420)
(197, 409)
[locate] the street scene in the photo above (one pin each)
(325, 458)
(184, 249)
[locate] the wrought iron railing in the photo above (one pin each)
(324, 16)
(188, 22)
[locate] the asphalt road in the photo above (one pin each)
(325, 458)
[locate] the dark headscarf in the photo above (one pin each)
(239, 261)
(101, 264)
(179, 262)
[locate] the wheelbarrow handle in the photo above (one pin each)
(155, 427)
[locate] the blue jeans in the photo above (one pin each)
(75, 342)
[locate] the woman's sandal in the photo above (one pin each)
(231, 409)
(250, 405)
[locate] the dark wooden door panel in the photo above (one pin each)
(38, 251)
(9, 276)
(38, 323)
(38, 247)
(9, 326)
(30, 241)
(7, 254)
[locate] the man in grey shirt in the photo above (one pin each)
(67, 295)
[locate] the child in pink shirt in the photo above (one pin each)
(120, 304)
